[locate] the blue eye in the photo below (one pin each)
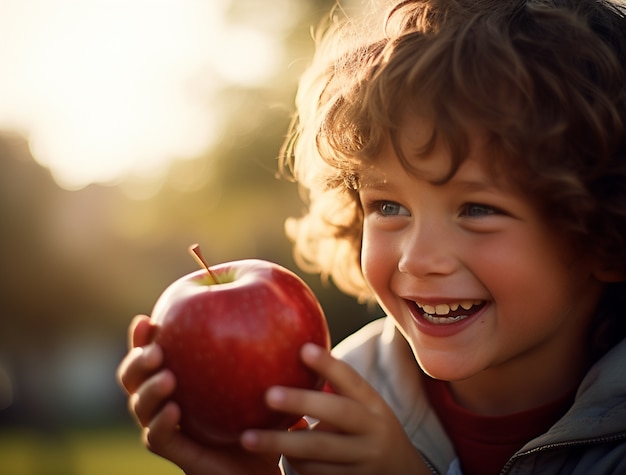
(390, 208)
(475, 210)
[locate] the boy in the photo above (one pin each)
(467, 169)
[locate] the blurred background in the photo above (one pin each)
(130, 129)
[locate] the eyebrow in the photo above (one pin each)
(372, 184)
(477, 185)
(489, 185)
(469, 184)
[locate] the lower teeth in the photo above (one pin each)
(443, 320)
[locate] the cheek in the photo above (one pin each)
(377, 261)
(531, 280)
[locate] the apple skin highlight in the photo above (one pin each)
(228, 342)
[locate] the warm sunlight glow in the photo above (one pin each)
(108, 88)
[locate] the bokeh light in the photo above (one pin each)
(128, 130)
(104, 89)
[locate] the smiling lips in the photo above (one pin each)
(448, 313)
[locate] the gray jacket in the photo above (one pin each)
(589, 439)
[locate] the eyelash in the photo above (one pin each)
(467, 210)
(379, 206)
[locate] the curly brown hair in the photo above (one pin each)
(545, 79)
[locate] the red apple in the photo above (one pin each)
(230, 332)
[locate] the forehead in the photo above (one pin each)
(422, 151)
(387, 173)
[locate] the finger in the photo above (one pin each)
(138, 365)
(315, 467)
(140, 331)
(305, 445)
(148, 400)
(341, 413)
(164, 438)
(342, 377)
(162, 430)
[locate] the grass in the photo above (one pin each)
(86, 452)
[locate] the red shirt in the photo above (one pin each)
(484, 443)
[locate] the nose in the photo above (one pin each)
(427, 249)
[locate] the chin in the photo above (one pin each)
(453, 368)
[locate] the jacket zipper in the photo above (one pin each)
(428, 464)
(558, 445)
(507, 467)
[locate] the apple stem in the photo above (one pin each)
(195, 251)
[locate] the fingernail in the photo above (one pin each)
(152, 355)
(148, 351)
(311, 351)
(249, 439)
(275, 396)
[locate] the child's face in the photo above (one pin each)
(474, 277)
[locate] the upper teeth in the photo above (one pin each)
(444, 308)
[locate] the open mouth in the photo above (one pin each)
(447, 313)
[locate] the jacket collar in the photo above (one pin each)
(599, 409)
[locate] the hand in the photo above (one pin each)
(150, 388)
(358, 432)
